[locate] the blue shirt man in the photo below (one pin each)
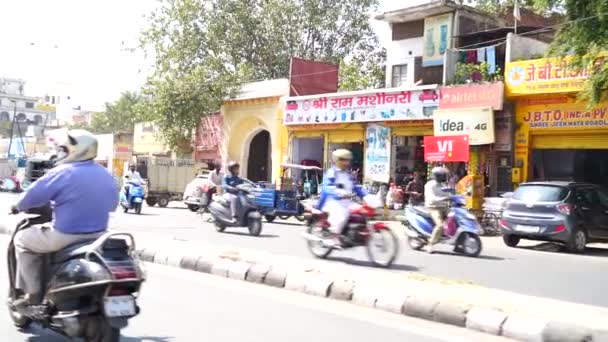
(82, 194)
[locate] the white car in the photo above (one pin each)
(194, 190)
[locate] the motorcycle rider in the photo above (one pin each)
(214, 181)
(336, 194)
(131, 176)
(436, 201)
(231, 181)
(82, 194)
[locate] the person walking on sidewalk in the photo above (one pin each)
(437, 202)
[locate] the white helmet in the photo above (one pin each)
(77, 145)
(440, 174)
(341, 154)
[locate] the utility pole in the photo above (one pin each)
(10, 142)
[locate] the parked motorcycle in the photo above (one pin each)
(377, 237)
(90, 288)
(247, 212)
(461, 228)
(136, 197)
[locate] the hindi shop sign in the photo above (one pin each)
(472, 95)
(363, 107)
(546, 76)
(561, 112)
(377, 154)
(476, 123)
(446, 149)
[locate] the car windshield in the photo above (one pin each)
(540, 193)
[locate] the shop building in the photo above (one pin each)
(477, 110)
(558, 136)
(384, 128)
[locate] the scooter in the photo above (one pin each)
(136, 197)
(90, 288)
(461, 228)
(247, 212)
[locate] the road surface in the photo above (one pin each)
(184, 306)
(530, 271)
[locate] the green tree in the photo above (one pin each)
(119, 116)
(204, 50)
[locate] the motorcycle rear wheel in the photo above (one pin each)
(98, 329)
(316, 247)
(415, 243)
(387, 236)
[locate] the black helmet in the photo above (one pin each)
(232, 165)
(440, 174)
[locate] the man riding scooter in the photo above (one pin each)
(229, 184)
(437, 202)
(214, 181)
(131, 176)
(82, 194)
(336, 193)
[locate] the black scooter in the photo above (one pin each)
(90, 288)
(247, 212)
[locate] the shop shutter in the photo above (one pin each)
(571, 141)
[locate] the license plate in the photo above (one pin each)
(119, 306)
(137, 200)
(527, 229)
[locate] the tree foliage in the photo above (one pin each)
(119, 116)
(204, 49)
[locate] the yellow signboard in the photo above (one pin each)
(560, 112)
(545, 76)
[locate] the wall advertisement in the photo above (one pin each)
(377, 154)
(476, 123)
(390, 105)
(446, 149)
(561, 112)
(437, 39)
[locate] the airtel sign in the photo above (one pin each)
(446, 149)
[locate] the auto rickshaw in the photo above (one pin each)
(297, 182)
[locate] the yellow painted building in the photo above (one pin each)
(253, 133)
(558, 136)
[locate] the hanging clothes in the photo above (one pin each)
(491, 58)
(462, 57)
(471, 56)
(481, 55)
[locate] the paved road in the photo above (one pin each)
(186, 306)
(524, 270)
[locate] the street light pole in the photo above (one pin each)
(10, 142)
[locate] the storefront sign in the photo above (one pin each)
(437, 38)
(561, 112)
(545, 76)
(377, 154)
(472, 95)
(361, 107)
(476, 123)
(446, 149)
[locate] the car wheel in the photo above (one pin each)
(577, 241)
(511, 240)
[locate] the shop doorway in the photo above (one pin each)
(407, 156)
(357, 164)
(570, 165)
(259, 165)
(308, 151)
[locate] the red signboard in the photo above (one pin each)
(446, 149)
(472, 95)
(311, 77)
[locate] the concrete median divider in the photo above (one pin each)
(515, 316)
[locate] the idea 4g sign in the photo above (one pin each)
(476, 123)
(446, 149)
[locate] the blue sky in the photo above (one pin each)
(78, 47)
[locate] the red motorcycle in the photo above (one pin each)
(381, 243)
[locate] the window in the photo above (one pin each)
(541, 193)
(29, 105)
(603, 197)
(399, 75)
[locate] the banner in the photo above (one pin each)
(472, 95)
(546, 76)
(446, 149)
(560, 112)
(476, 123)
(377, 154)
(437, 39)
(388, 105)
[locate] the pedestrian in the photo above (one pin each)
(415, 190)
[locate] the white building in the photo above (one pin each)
(14, 102)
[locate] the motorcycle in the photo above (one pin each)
(136, 197)
(461, 228)
(247, 212)
(90, 288)
(358, 232)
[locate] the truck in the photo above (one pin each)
(166, 178)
